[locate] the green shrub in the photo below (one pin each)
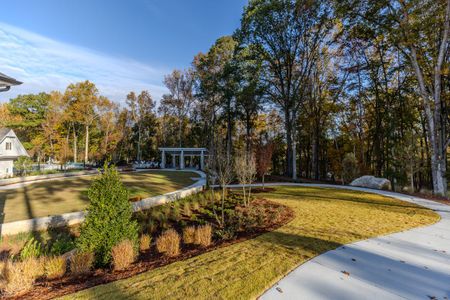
(109, 219)
(31, 249)
(61, 246)
(187, 209)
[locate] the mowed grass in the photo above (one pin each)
(65, 195)
(324, 219)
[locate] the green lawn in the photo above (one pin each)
(324, 219)
(64, 195)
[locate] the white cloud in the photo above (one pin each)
(43, 65)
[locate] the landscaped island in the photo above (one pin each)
(186, 253)
(324, 219)
(58, 196)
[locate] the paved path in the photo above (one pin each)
(414, 264)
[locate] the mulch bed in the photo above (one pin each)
(263, 190)
(46, 289)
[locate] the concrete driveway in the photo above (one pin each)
(413, 264)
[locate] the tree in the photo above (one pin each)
(349, 168)
(420, 31)
(109, 217)
(179, 102)
(23, 165)
(264, 154)
(83, 101)
(214, 85)
(141, 109)
(220, 169)
(245, 169)
(286, 34)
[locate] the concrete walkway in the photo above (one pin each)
(413, 264)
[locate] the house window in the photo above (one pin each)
(8, 146)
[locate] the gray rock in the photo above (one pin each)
(372, 182)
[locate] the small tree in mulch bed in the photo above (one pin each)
(264, 160)
(109, 219)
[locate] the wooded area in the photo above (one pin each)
(334, 89)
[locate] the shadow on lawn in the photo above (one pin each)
(298, 242)
(351, 198)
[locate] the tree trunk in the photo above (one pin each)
(75, 145)
(288, 128)
(86, 146)
(138, 158)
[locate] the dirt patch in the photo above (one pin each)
(48, 289)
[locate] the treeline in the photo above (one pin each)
(336, 88)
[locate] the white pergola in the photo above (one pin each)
(182, 153)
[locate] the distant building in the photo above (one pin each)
(6, 82)
(10, 149)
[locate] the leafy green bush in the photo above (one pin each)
(109, 219)
(61, 246)
(31, 249)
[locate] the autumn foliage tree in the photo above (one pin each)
(264, 154)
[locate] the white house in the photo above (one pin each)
(10, 149)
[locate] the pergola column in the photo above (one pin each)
(163, 159)
(182, 159)
(174, 165)
(202, 161)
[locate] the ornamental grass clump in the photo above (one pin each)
(145, 242)
(81, 262)
(168, 243)
(109, 219)
(189, 235)
(123, 255)
(203, 235)
(55, 267)
(19, 276)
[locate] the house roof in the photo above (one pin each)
(5, 81)
(3, 132)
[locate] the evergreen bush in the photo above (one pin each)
(109, 217)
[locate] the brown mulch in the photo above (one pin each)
(263, 190)
(46, 289)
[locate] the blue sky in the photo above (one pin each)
(119, 45)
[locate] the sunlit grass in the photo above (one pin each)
(324, 219)
(60, 196)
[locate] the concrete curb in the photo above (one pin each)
(14, 180)
(74, 218)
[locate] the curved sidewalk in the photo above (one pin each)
(413, 264)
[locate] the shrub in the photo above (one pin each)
(175, 214)
(349, 167)
(19, 276)
(203, 235)
(195, 205)
(168, 243)
(144, 242)
(123, 255)
(151, 226)
(61, 246)
(31, 249)
(109, 218)
(189, 235)
(81, 262)
(55, 267)
(187, 209)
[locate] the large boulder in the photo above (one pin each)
(372, 182)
